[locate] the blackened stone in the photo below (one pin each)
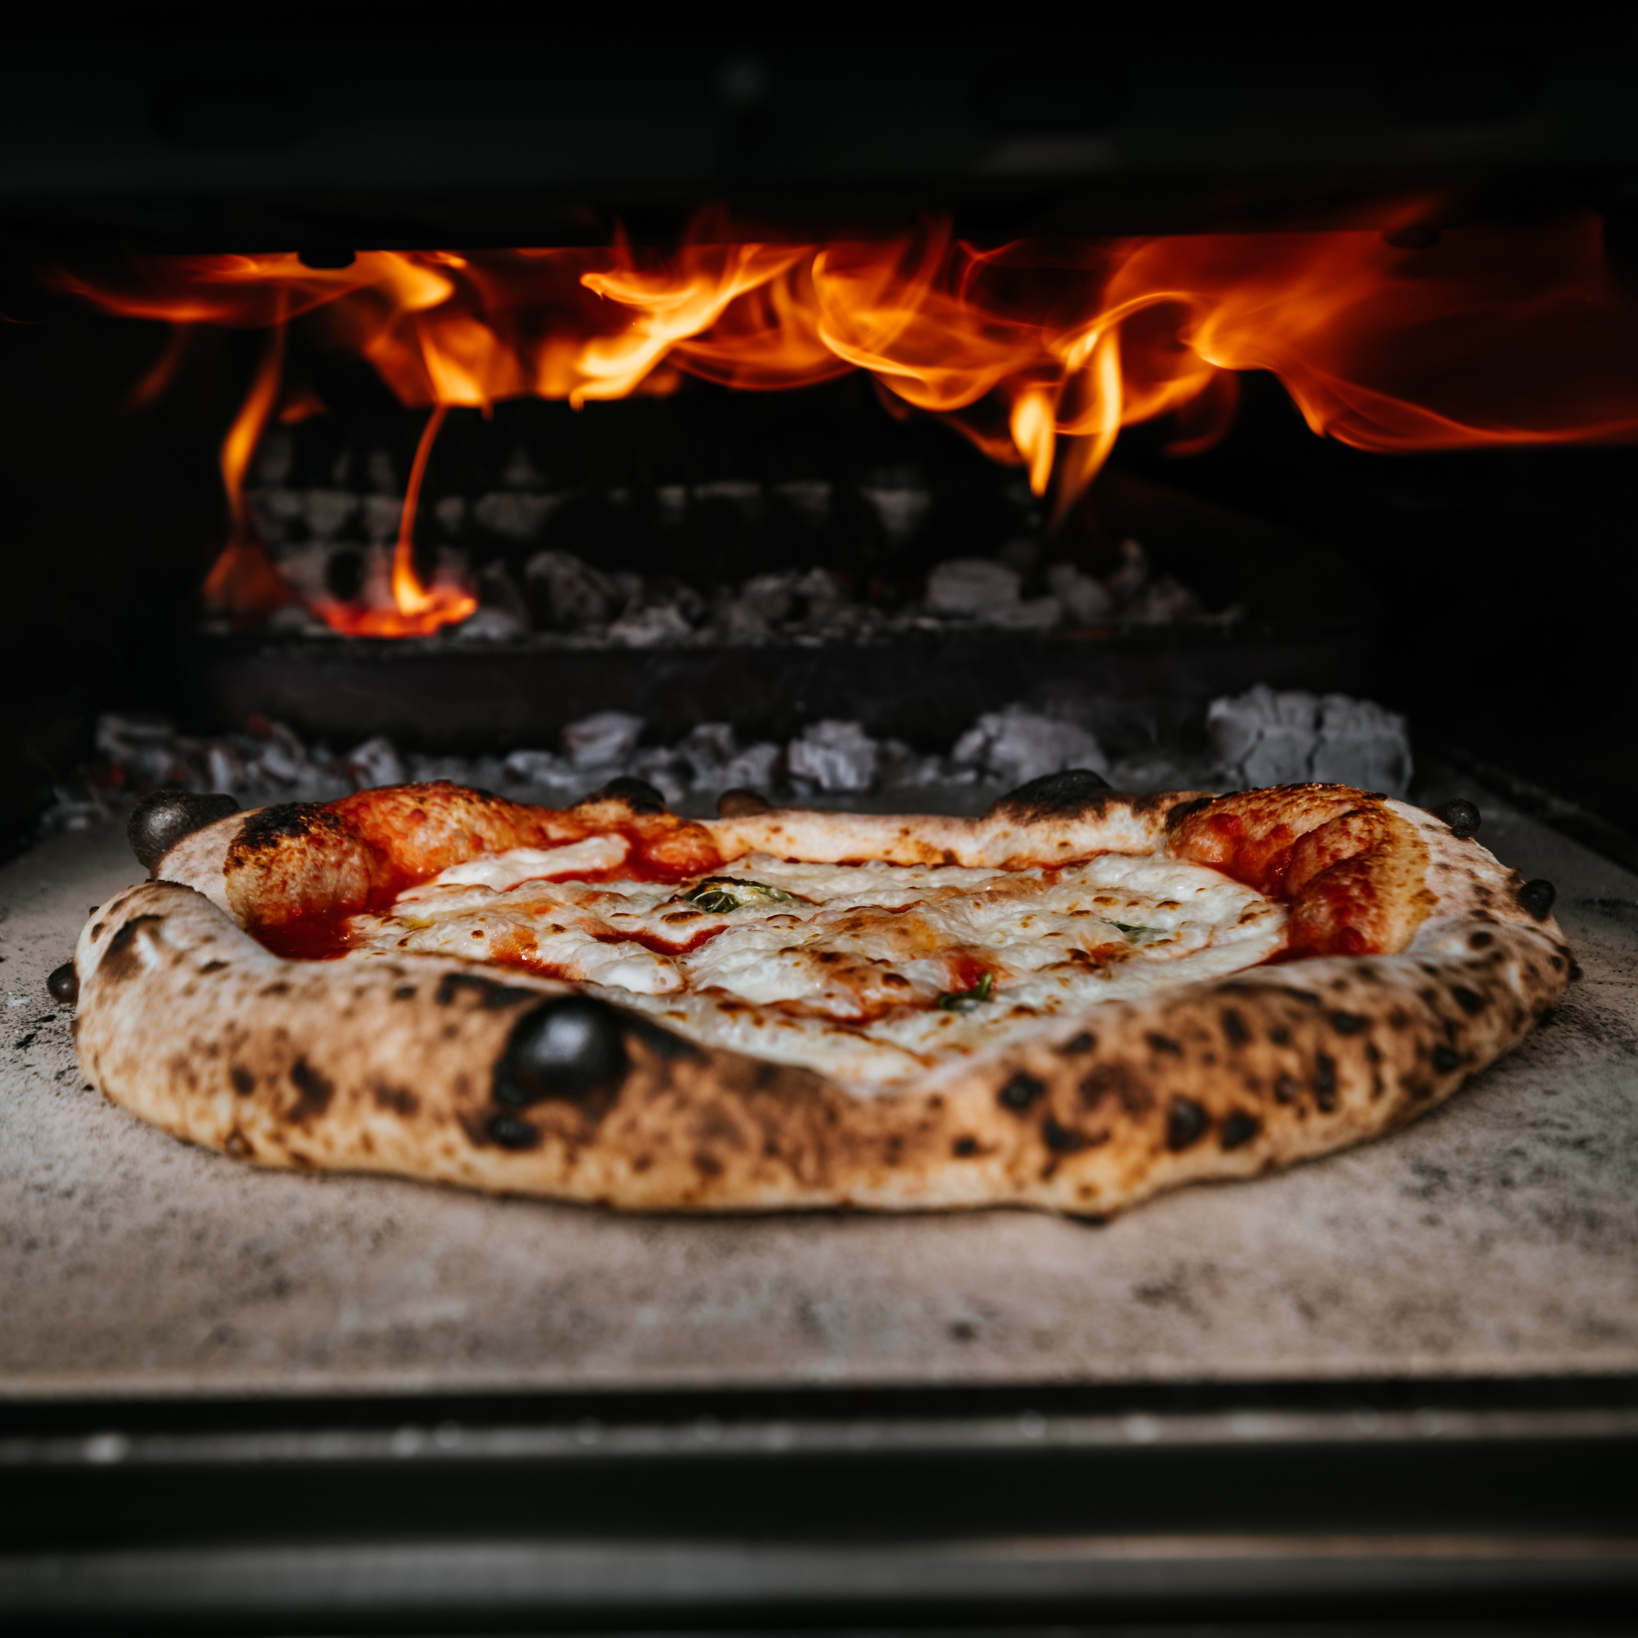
(160, 821)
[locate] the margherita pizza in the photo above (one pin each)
(1071, 1002)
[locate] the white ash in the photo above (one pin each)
(1260, 737)
(375, 763)
(1265, 737)
(604, 739)
(1016, 744)
(834, 756)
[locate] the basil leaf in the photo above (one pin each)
(1131, 929)
(967, 1000)
(720, 894)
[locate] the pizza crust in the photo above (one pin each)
(411, 1066)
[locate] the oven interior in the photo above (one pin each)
(1481, 593)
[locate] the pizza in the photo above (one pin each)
(1071, 1002)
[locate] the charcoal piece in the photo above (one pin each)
(160, 821)
(971, 588)
(566, 594)
(1085, 601)
(1360, 743)
(512, 515)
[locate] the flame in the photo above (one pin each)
(242, 584)
(415, 610)
(1499, 332)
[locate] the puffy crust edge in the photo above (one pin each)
(392, 1066)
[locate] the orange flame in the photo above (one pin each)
(415, 610)
(1500, 332)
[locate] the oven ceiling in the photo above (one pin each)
(351, 126)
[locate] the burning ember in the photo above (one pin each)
(1039, 352)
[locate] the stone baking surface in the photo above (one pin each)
(1497, 1236)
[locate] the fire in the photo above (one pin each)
(1499, 332)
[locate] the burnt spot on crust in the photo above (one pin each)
(244, 1082)
(285, 822)
(1348, 1023)
(160, 821)
(1179, 811)
(1446, 1059)
(1054, 796)
(741, 802)
(1325, 1081)
(1238, 1129)
(120, 962)
(313, 1089)
(964, 1147)
(1116, 1080)
(1285, 1089)
(1164, 1043)
(1186, 1124)
(1538, 898)
(663, 1043)
(1020, 1092)
(511, 1133)
(1470, 1001)
(1480, 941)
(571, 1049)
(1076, 1045)
(490, 996)
(1061, 1140)
(1461, 815)
(1234, 1027)
(637, 794)
(396, 1100)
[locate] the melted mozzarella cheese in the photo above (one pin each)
(867, 972)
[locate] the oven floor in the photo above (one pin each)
(1496, 1237)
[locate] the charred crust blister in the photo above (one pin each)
(570, 1049)
(508, 1132)
(1461, 816)
(741, 802)
(64, 984)
(489, 995)
(664, 1043)
(1055, 796)
(1238, 1129)
(1186, 1124)
(1538, 898)
(1020, 1091)
(637, 794)
(159, 821)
